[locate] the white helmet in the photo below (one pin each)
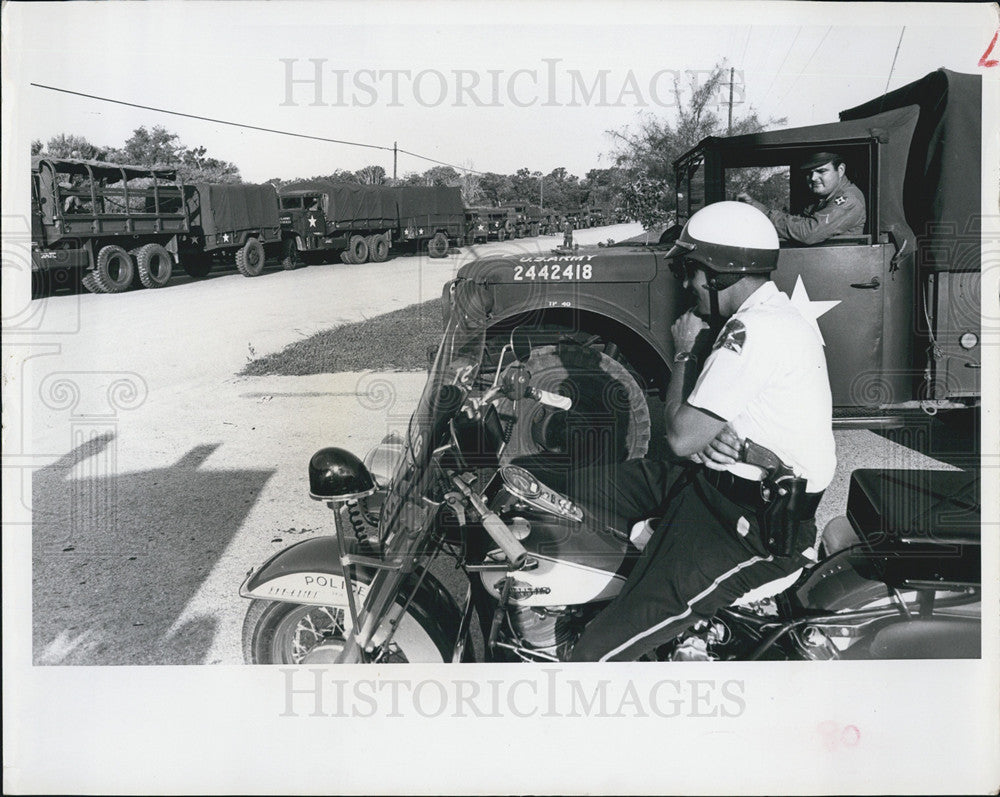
(729, 238)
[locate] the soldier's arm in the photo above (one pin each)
(813, 228)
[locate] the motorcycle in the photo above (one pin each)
(481, 478)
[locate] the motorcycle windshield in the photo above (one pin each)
(456, 367)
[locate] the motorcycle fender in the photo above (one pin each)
(307, 572)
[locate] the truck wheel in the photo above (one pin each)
(501, 235)
(378, 248)
(438, 245)
(250, 258)
(357, 249)
(114, 271)
(290, 259)
(155, 265)
(196, 266)
(87, 281)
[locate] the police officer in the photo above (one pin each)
(839, 208)
(764, 379)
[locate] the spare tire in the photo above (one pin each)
(155, 265)
(114, 270)
(438, 245)
(250, 258)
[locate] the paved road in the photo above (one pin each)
(160, 477)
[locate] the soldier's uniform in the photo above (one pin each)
(767, 377)
(841, 212)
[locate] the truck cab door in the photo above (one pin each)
(868, 348)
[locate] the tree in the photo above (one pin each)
(371, 175)
(67, 145)
(645, 155)
(496, 188)
(36, 147)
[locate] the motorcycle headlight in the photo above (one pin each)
(382, 460)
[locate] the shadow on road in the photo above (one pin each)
(117, 556)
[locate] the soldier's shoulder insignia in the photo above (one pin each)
(840, 200)
(732, 337)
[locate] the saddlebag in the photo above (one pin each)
(918, 527)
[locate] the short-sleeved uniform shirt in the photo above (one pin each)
(767, 377)
(841, 212)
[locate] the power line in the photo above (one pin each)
(251, 127)
(894, 59)
(745, 45)
(782, 64)
(210, 119)
(802, 71)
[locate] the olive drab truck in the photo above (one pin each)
(431, 218)
(898, 306)
(230, 222)
(476, 227)
(108, 222)
(117, 224)
(354, 222)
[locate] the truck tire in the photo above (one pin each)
(378, 248)
(87, 281)
(438, 245)
(114, 270)
(155, 265)
(250, 258)
(196, 266)
(290, 259)
(501, 235)
(357, 249)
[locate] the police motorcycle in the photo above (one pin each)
(480, 478)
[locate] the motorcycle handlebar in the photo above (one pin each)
(550, 399)
(495, 527)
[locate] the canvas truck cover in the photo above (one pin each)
(942, 184)
(430, 205)
(350, 205)
(893, 129)
(220, 208)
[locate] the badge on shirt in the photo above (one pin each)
(840, 200)
(732, 337)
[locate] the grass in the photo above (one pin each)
(396, 341)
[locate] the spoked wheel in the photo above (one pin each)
(291, 633)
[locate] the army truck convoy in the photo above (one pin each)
(118, 225)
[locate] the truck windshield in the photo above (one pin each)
(769, 185)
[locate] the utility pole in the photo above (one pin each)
(395, 153)
(731, 73)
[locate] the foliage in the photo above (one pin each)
(644, 155)
(395, 341)
(154, 147)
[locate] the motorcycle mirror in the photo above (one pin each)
(520, 342)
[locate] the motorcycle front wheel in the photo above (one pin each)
(292, 633)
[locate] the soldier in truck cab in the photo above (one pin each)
(838, 209)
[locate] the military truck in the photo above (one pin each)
(476, 227)
(499, 224)
(116, 223)
(431, 218)
(898, 306)
(230, 220)
(355, 222)
(518, 215)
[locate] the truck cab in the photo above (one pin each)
(898, 305)
(302, 216)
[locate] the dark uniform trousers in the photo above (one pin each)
(696, 562)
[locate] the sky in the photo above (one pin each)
(488, 87)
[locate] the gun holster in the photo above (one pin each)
(781, 519)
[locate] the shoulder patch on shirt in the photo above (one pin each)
(840, 200)
(732, 337)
